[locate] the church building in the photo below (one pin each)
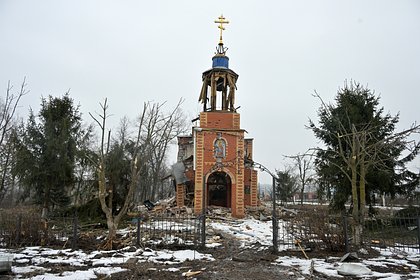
(214, 163)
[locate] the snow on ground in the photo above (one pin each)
(78, 274)
(251, 231)
(40, 261)
(247, 231)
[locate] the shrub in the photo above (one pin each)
(319, 230)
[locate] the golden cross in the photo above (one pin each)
(221, 21)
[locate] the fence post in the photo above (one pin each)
(346, 236)
(44, 239)
(275, 222)
(75, 237)
(203, 214)
(18, 229)
(138, 232)
(203, 230)
(418, 231)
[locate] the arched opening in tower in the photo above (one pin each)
(219, 188)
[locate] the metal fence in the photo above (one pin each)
(402, 233)
(324, 232)
(333, 233)
(28, 229)
(21, 230)
(314, 230)
(158, 231)
(168, 231)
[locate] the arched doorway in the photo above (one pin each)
(219, 187)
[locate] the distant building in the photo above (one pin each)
(310, 194)
(213, 162)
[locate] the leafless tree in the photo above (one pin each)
(104, 192)
(304, 165)
(161, 129)
(148, 148)
(8, 108)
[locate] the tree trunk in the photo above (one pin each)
(3, 177)
(357, 233)
(112, 229)
(112, 226)
(362, 186)
(12, 191)
(302, 190)
(46, 204)
(44, 212)
(355, 193)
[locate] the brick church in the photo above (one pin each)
(213, 165)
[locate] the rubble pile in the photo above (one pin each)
(262, 212)
(167, 207)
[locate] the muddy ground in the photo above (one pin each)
(231, 262)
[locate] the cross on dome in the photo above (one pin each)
(222, 20)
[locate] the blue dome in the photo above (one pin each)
(220, 62)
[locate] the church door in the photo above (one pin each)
(219, 189)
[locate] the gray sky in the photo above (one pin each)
(136, 51)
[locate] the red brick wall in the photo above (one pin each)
(180, 194)
(226, 123)
(220, 119)
(247, 187)
(198, 184)
(254, 188)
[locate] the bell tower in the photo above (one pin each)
(220, 79)
(222, 177)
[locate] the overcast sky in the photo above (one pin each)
(136, 51)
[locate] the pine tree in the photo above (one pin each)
(287, 185)
(363, 152)
(355, 113)
(46, 152)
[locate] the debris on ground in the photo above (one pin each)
(352, 256)
(5, 262)
(353, 269)
(164, 207)
(191, 273)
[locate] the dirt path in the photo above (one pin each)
(232, 262)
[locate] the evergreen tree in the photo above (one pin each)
(356, 120)
(46, 152)
(287, 185)
(118, 169)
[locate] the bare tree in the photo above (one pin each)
(367, 151)
(8, 108)
(104, 192)
(161, 129)
(146, 150)
(169, 128)
(304, 165)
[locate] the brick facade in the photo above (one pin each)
(243, 180)
(216, 156)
